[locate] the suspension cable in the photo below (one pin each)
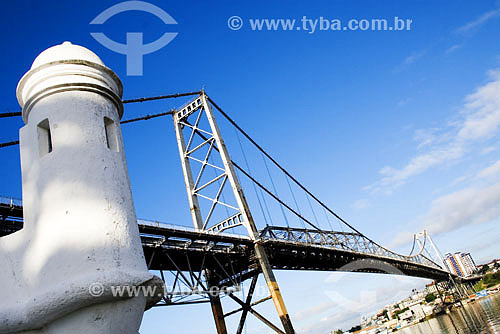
(275, 191)
(10, 114)
(265, 205)
(10, 143)
(141, 99)
(283, 169)
(274, 196)
(292, 178)
(328, 220)
(270, 193)
(295, 200)
(147, 117)
(314, 214)
(152, 98)
(250, 172)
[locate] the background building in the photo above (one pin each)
(460, 264)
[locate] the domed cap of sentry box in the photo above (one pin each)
(66, 51)
(67, 67)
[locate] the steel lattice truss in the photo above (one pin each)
(231, 258)
(345, 241)
(203, 154)
(184, 256)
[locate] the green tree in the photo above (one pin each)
(355, 328)
(430, 297)
(479, 286)
(338, 331)
(398, 312)
(488, 281)
(484, 269)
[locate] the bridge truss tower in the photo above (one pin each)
(208, 174)
(421, 239)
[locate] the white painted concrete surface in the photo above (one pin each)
(80, 226)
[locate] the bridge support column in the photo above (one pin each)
(249, 222)
(246, 309)
(213, 139)
(436, 283)
(218, 314)
(215, 303)
(274, 288)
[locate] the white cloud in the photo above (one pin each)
(479, 120)
(482, 19)
(485, 246)
(393, 178)
(345, 318)
(488, 149)
(404, 102)
(490, 172)
(473, 205)
(425, 137)
(401, 239)
(453, 48)
(483, 111)
(361, 204)
(341, 319)
(315, 310)
(413, 57)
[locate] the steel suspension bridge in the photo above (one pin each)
(240, 233)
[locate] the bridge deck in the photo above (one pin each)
(188, 249)
(170, 247)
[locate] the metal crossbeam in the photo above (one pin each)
(228, 223)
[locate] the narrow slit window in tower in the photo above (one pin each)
(111, 135)
(44, 137)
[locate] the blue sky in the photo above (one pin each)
(395, 130)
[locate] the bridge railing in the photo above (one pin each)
(11, 201)
(346, 241)
(154, 223)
